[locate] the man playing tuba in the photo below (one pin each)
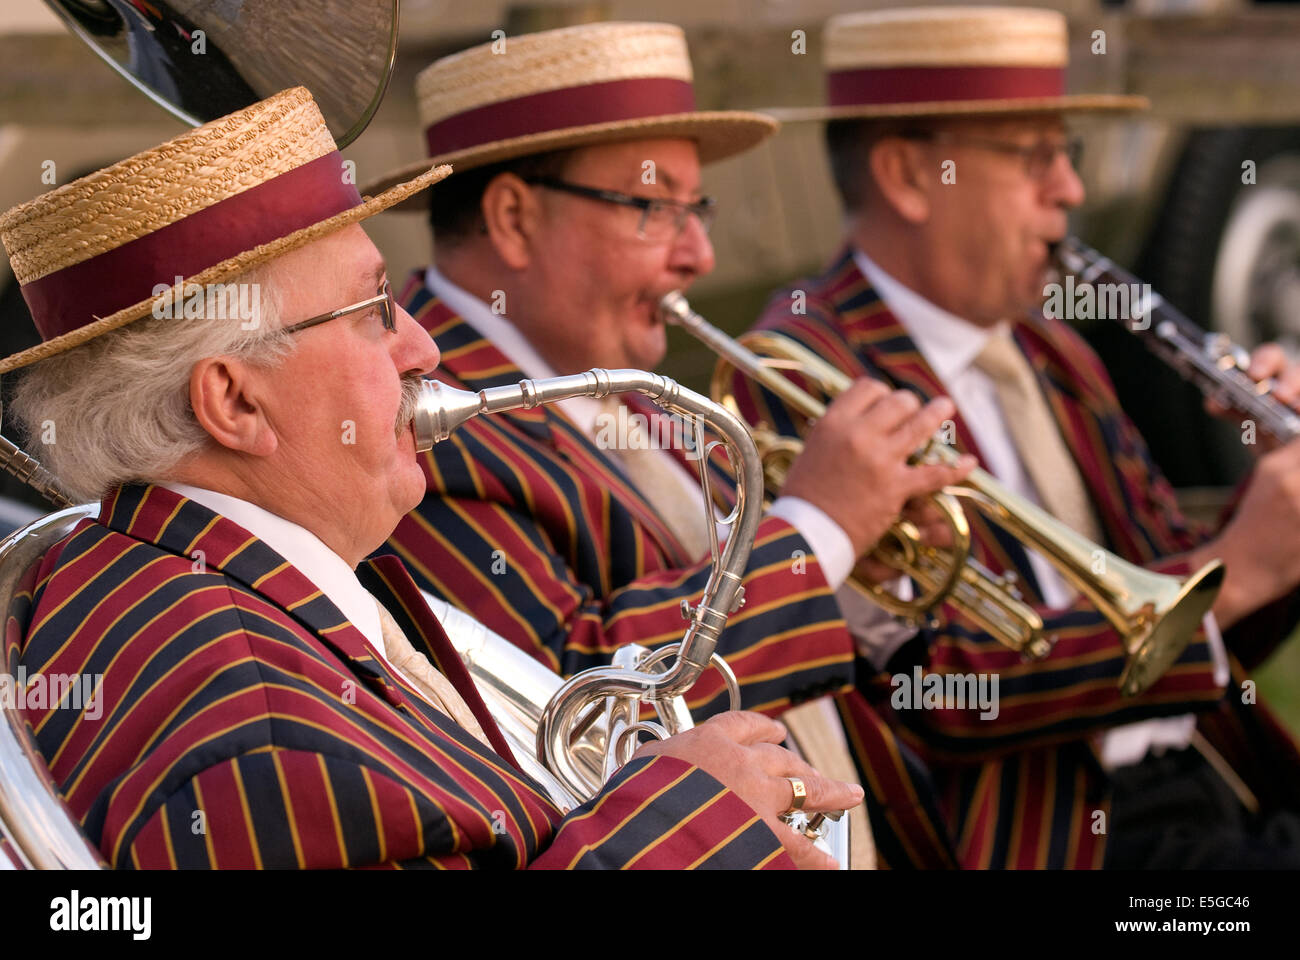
(266, 696)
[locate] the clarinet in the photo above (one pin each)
(1210, 361)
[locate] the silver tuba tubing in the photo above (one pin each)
(584, 728)
(516, 688)
(621, 689)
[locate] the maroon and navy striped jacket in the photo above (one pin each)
(243, 722)
(536, 532)
(1022, 790)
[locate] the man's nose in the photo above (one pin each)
(693, 251)
(1063, 186)
(414, 350)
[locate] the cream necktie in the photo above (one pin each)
(421, 674)
(652, 472)
(1038, 440)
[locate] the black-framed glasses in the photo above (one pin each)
(661, 218)
(1038, 157)
(387, 310)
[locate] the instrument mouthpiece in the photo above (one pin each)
(674, 307)
(440, 410)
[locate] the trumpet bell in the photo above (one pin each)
(1162, 631)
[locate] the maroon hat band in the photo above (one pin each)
(75, 296)
(608, 102)
(899, 85)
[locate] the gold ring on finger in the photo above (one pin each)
(800, 795)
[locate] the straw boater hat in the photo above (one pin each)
(948, 61)
(595, 83)
(206, 206)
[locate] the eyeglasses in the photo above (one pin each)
(661, 219)
(1037, 157)
(387, 310)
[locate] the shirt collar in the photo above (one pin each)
(302, 548)
(510, 340)
(948, 343)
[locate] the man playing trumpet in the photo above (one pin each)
(268, 697)
(578, 152)
(948, 147)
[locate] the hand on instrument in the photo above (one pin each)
(740, 750)
(1260, 546)
(1270, 364)
(929, 520)
(854, 462)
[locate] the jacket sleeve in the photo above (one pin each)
(693, 822)
(994, 702)
(656, 813)
(1072, 693)
(493, 548)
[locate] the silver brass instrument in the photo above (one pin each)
(37, 830)
(1210, 361)
(583, 729)
(341, 50)
(14, 461)
(1155, 615)
(619, 691)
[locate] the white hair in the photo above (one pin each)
(116, 409)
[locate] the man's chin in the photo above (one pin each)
(413, 485)
(407, 484)
(650, 351)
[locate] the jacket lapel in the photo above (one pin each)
(1079, 396)
(386, 578)
(471, 361)
(883, 343)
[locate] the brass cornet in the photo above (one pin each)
(1155, 615)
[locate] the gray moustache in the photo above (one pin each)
(410, 398)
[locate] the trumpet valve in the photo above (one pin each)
(817, 823)
(1039, 647)
(1009, 582)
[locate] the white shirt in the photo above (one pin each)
(950, 346)
(306, 552)
(830, 544)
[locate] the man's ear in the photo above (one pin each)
(898, 169)
(224, 397)
(511, 213)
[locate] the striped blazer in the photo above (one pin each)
(536, 532)
(243, 722)
(1023, 789)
